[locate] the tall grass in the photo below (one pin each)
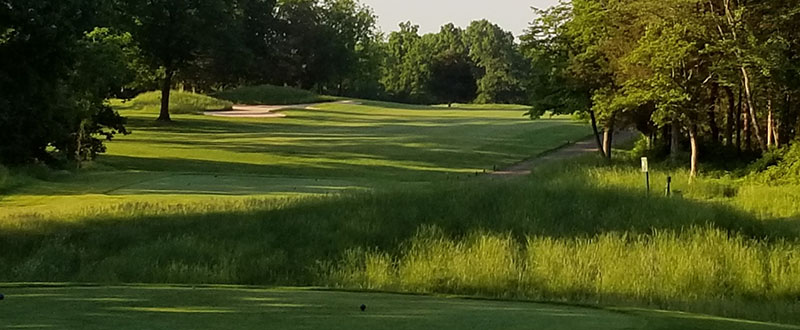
(669, 270)
(577, 233)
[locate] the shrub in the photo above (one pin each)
(781, 166)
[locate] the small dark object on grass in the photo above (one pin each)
(2, 296)
(363, 307)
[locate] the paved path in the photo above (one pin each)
(567, 152)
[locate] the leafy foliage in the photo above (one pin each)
(672, 69)
(54, 79)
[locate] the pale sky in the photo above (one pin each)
(430, 15)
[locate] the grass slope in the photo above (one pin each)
(180, 102)
(272, 95)
(161, 307)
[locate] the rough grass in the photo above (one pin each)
(180, 102)
(563, 235)
(272, 95)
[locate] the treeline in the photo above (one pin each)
(481, 64)
(706, 76)
(60, 61)
(722, 75)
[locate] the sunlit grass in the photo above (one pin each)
(331, 149)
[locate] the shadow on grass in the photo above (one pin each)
(295, 242)
(268, 244)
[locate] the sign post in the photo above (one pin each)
(646, 171)
(669, 186)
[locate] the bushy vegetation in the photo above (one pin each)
(180, 102)
(268, 94)
(55, 74)
(780, 166)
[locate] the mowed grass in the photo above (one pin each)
(330, 149)
(384, 196)
(209, 307)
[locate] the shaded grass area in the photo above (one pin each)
(161, 307)
(272, 95)
(180, 102)
(562, 235)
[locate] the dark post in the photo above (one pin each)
(647, 181)
(669, 186)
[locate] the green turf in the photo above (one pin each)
(329, 149)
(273, 95)
(164, 307)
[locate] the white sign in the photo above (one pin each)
(645, 168)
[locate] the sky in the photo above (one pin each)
(430, 15)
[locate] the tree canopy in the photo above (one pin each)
(672, 69)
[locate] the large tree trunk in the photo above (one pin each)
(166, 87)
(608, 136)
(729, 117)
(712, 113)
(756, 129)
(674, 141)
(596, 133)
(693, 141)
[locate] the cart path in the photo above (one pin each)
(569, 151)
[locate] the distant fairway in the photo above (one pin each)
(163, 307)
(329, 149)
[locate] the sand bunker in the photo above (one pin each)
(265, 111)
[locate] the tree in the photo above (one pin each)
(54, 80)
(170, 32)
(406, 69)
(451, 77)
(499, 63)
